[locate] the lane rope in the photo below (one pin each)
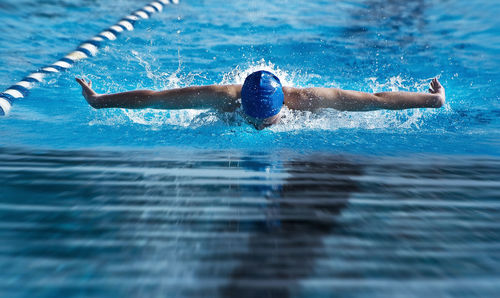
(85, 50)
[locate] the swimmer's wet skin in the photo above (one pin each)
(262, 98)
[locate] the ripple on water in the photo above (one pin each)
(155, 221)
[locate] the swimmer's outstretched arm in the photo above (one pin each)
(346, 100)
(224, 98)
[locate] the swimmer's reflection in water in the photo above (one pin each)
(262, 98)
(284, 249)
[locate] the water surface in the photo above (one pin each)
(196, 203)
(227, 224)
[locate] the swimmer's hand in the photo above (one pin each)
(438, 89)
(87, 92)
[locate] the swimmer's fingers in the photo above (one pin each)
(82, 83)
(431, 89)
(435, 86)
(86, 87)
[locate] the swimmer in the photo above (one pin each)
(262, 98)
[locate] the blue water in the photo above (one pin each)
(198, 203)
(363, 45)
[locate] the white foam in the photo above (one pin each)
(238, 74)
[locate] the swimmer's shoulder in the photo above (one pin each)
(228, 97)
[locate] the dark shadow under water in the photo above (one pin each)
(284, 249)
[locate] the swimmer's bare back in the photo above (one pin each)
(226, 98)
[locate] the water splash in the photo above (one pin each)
(288, 78)
(153, 118)
(397, 83)
(327, 119)
(160, 79)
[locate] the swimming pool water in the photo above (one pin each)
(363, 45)
(234, 224)
(197, 203)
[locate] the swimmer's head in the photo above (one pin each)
(262, 98)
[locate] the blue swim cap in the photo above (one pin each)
(262, 95)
